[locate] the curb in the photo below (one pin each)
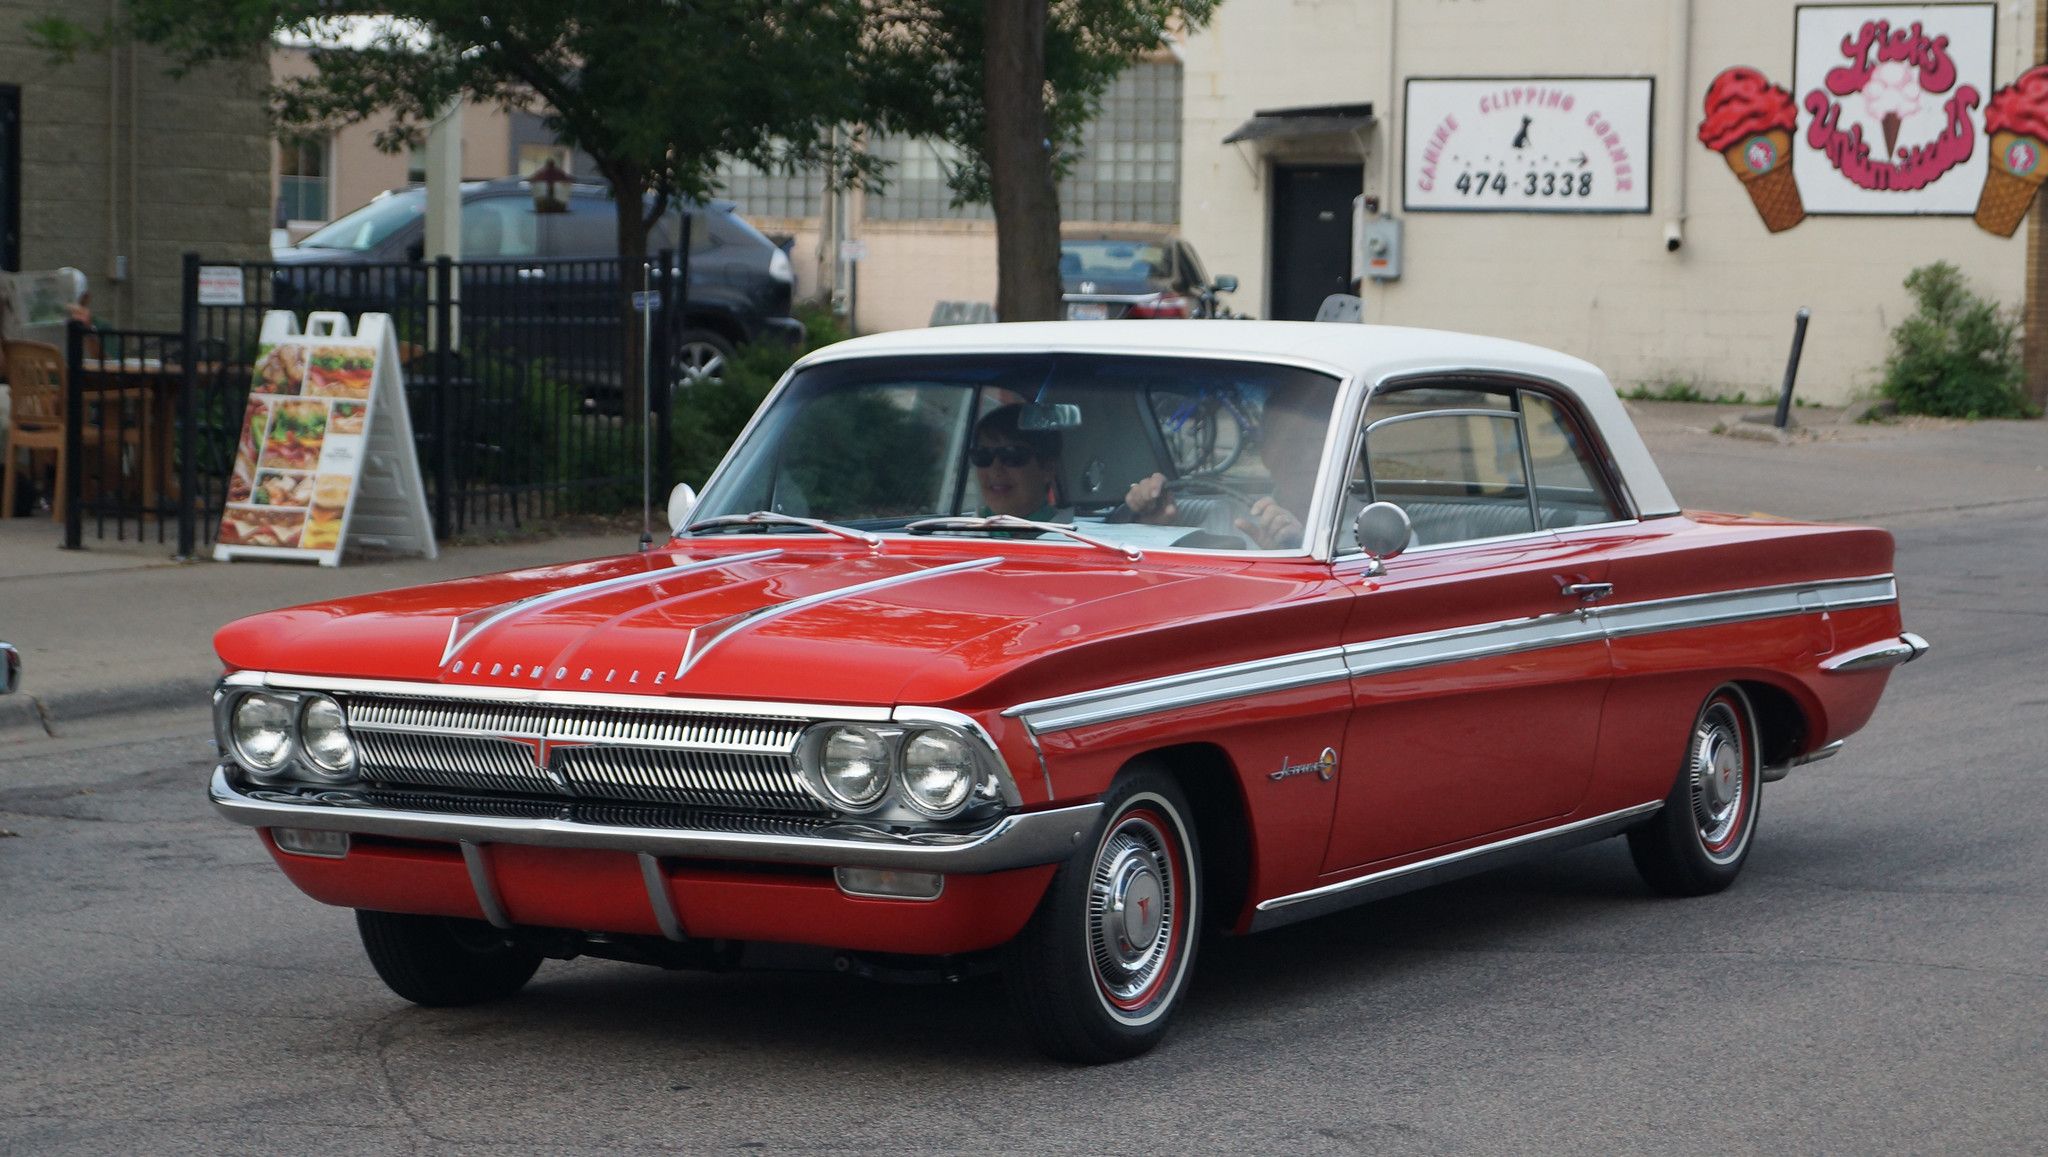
(48, 714)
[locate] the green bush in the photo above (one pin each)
(706, 417)
(1958, 355)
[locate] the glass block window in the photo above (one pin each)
(916, 173)
(761, 193)
(1129, 166)
(302, 179)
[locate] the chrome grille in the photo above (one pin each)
(591, 753)
(614, 815)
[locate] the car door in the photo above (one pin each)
(1476, 674)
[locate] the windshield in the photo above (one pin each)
(1140, 451)
(367, 227)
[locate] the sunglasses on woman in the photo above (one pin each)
(1012, 456)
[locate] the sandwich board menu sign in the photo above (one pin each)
(326, 450)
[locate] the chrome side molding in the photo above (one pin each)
(1408, 877)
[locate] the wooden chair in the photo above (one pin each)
(35, 373)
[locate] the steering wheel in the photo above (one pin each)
(1203, 486)
(1199, 486)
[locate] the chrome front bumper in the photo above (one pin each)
(1016, 841)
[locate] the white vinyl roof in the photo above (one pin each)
(1369, 353)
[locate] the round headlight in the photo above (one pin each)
(323, 736)
(262, 731)
(854, 766)
(938, 773)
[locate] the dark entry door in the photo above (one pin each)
(1311, 236)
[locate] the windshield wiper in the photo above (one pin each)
(765, 518)
(1012, 522)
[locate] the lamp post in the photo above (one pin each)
(550, 186)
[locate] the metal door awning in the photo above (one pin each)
(1308, 121)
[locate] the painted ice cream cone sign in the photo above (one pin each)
(2017, 122)
(1885, 117)
(1750, 122)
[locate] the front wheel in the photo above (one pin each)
(1098, 972)
(442, 962)
(701, 356)
(1698, 842)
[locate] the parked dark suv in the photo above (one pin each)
(740, 282)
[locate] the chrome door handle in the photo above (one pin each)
(1588, 592)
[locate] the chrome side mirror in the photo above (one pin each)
(1383, 531)
(10, 669)
(681, 501)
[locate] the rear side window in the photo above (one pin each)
(1477, 463)
(499, 227)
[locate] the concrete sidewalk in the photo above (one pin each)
(121, 628)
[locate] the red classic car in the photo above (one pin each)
(1054, 648)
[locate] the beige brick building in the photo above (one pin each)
(1717, 311)
(116, 169)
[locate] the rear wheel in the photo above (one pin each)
(1098, 972)
(1699, 841)
(439, 962)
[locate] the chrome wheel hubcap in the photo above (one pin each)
(1719, 773)
(1131, 911)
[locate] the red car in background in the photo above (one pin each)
(1134, 272)
(960, 664)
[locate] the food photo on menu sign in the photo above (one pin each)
(301, 443)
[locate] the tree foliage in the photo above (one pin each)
(1011, 84)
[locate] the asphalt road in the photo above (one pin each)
(1876, 982)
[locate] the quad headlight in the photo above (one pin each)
(286, 734)
(938, 772)
(261, 727)
(853, 766)
(896, 772)
(323, 736)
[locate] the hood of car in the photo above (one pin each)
(759, 619)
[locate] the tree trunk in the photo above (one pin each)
(1026, 203)
(629, 191)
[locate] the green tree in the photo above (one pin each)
(1011, 83)
(660, 94)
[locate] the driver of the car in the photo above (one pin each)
(1290, 447)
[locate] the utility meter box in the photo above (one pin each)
(1379, 243)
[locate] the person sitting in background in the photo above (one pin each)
(1016, 470)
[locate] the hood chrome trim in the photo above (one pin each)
(703, 639)
(480, 621)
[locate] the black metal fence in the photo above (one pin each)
(525, 414)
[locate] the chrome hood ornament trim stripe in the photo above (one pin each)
(466, 628)
(703, 639)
